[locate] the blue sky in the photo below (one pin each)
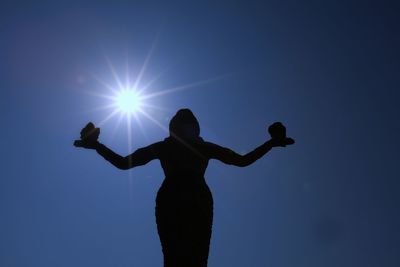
(328, 70)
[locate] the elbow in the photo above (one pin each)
(239, 161)
(122, 167)
(243, 164)
(122, 164)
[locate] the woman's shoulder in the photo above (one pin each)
(171, 143)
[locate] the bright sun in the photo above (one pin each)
(128, 101)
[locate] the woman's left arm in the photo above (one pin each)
(230, 157)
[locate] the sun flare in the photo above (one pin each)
(128, 101)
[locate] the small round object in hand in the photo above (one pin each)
(277, 131)
(278, 134)
(90, 133)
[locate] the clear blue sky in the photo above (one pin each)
(328, 69)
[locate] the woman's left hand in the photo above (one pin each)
(281, 142)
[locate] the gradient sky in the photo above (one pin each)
(328, 69)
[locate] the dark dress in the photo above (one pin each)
(184, 204)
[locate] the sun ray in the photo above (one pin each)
(110, 106)
(110, 97)
(155, 107)
(141, 128)
(127, 76)
(116, 127)
(182, 87)
(147, 86)
(129, 132)
(108, 117)
(128, 125)
(106, 85)
(143, 69)
(114, 73)
(154, 120)
(130, 185)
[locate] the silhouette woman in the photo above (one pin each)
(184, 204)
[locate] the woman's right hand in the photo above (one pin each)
(89, 136)
(86, 144)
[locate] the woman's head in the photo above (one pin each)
(184, 125)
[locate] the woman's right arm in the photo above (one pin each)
(138, 158)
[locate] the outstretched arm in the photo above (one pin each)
(230, 157)
(138, 158)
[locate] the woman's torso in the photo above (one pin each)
(184, 165)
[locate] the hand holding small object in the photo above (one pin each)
(89, 136)
(278, 135)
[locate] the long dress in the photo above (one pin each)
(184, 204)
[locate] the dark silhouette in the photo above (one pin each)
(184, 204)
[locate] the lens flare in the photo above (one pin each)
(128, 101)
(131, 99)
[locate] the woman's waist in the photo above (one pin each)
(185, 178)
(184, 194)
(184, 185)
